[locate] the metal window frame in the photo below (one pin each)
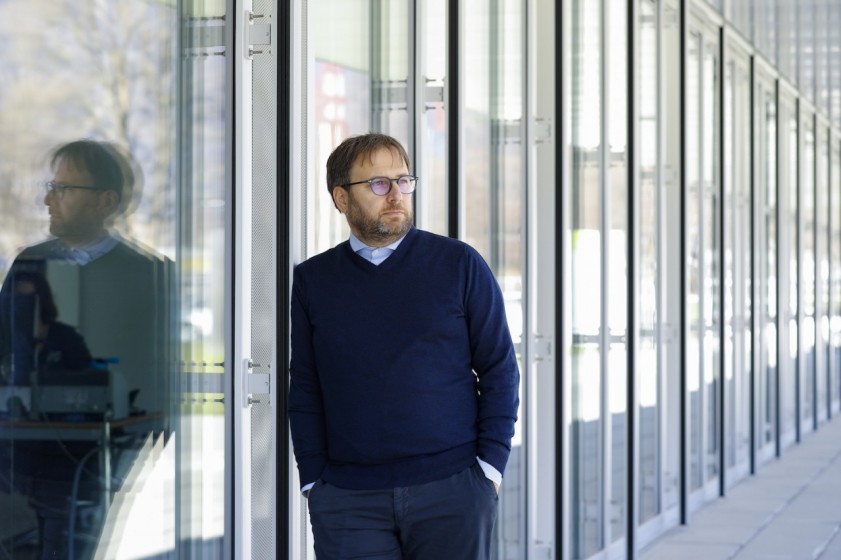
(454, 102)
(563, 49)
(632, 434)
(285, 56)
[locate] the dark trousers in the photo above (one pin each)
(451, 518)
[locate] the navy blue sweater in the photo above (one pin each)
(401, 373)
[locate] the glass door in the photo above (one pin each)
(766, 259)
(659, 349)
(737, 281)
(597, 253)
(788, 339)
(703, 263)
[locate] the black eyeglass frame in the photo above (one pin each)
(413, 181)
(57, 189)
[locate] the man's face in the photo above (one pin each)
(376, 220)
(77, 216)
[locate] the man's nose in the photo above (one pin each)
(394, 193)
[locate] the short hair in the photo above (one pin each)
(351, 149)
(109, 167)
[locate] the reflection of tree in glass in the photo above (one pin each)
(91, 69)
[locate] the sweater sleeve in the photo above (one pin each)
(493, 360)
(305, 405)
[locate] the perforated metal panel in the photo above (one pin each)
(263, 289)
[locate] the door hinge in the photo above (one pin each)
(541, 348)
(542, 131)
(254, 383)
(258, 36)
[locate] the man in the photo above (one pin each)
(404, 380)
(113, 293)
(114, 289)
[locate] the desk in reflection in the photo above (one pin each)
(69, 470)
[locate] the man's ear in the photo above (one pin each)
(340, 198)
(110, 201)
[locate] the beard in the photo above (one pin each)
(371, 228)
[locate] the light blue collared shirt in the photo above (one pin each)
(90, 252)
(375, 255)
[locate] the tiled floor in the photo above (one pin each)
(790, 510)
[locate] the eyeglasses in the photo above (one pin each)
(382, 185)
(57, 189)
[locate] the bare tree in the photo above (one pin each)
(100, 69)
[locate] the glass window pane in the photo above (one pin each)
(617, 261)
(586, 256)
(671, 259)
(807, 275)
(648, 367)
(694, 250)
(712, 260)
(766, 174)
(704, 258)
(432, 198)
(822, 274)
(118, 298)
(835, 276)
(360, 65)
(493, 193)
(737, 286)
(788, 338)
(805, 47)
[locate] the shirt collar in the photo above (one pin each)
(358, 245)
(92, 251)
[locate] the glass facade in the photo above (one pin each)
(113, 301)
(678, 172)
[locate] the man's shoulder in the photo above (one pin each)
(331, 257)
(125, 249)
(424, 237)
(42, 249)
(435, 245)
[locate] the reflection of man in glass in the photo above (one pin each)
(110, 289)
(112, 292)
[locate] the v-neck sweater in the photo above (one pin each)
(401, 373)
